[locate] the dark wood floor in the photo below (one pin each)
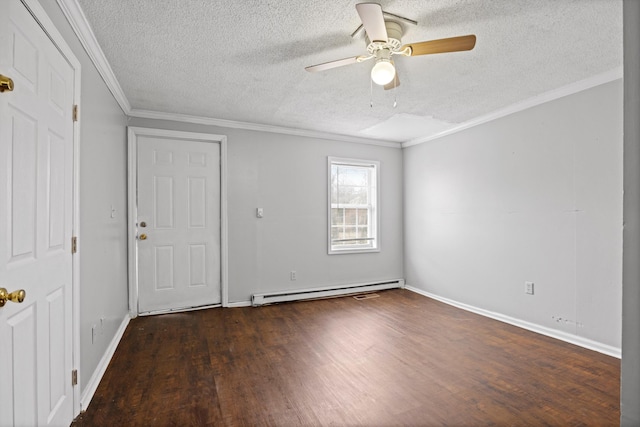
(399, 359)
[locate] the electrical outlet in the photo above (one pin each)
(293, 275)
(528, 288)
(102, 325)
(94, 333)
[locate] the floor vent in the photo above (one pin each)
(284, 296)
(365, 296)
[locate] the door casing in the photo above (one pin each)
(133, 133)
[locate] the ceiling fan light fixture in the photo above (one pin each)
(383, 72)
(383, 40)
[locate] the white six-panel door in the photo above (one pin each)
(178, 198)
(36, 183)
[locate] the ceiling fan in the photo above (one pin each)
(383, 42)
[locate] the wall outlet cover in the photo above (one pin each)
(528, 288)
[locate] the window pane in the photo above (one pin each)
(335, 233)
(353, 176)
(353, 195)
(349, 233)
(337, 216)
(360, 195)
(350, 216)
(363, 216)
(363, 232)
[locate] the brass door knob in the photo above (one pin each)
(142, 236)
(5, 83)
(15, 296)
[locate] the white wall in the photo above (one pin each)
(287, 176)
(533, 196)
(103, 244)
(630, 390)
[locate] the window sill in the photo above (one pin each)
(352, 251)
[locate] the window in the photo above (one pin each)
(353, 206)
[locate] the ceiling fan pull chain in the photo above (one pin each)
(371, 93)
(395, 91)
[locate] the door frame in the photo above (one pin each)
(49, 28)
(132, 206)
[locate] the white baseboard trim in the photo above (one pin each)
(239, 304)
(178, 310)
(560, 335)
(94, 381)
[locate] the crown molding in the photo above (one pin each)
(158, 115)
(78, 21)
(545, 97)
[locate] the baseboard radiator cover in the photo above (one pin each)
(331, 291)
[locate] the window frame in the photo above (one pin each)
(375, 214)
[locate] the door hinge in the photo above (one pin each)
(75, 112)
(74, 244)
(74, 377)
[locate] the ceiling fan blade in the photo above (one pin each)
(453, 44)
(393, 83)
(373, 21)
(332, 64)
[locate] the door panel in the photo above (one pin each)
(23, 148)
(21, 328)
(197, 205)
(36, 183)
(163, 261)
(178, 193)
(56, 153)
(197, 265)
(163, 202)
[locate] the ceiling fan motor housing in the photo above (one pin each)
(394, 36)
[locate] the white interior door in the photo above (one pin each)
(36, 183)
(178, 223)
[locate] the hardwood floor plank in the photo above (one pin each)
(400, 359)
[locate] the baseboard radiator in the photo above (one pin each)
(332, 291)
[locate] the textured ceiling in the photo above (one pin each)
(244, 60)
